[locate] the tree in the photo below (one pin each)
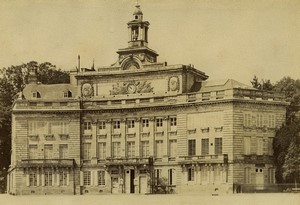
(12, 81)
(285, 136)
(262, 84)
(291, 166)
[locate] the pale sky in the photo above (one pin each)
(224, 38)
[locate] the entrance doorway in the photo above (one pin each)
(259, 178)
(132, 181)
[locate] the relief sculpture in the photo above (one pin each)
(131, 87)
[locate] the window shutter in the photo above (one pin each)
(81, 178)
(27, 179)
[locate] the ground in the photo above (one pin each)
(173, 199)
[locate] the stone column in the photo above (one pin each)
(108, 125)
(137, 136)
(94, 143)
(165, 139)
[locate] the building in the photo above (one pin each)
(117, 129)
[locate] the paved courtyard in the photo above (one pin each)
(241, 199)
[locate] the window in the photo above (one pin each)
(32, 128)
(101, 150)
(116, 124)
(32, 179)
(36, 95)
(247, 145)
(247, 175)
(173, 121)
(63, 151)
(259, 150)
(270, 146)
(204, 147)
(48, 178)
(157, 175)
(86, 150)
(86, 178)
(67, 94)
(173, 148)
(48, 151)
(159, 149)
(101, 125)
(87, 126)
(159, 122)
(64, 128)
(116, 149)
(145, 122)
(247, 120)
(49, 128)
(130, 123)
(101, 178)
(191, 147)
(191, 174)
(259, 120)
(131, 149)
(271, 178)
(144, 148)
(63, 178)
(271, 123)
(32, 151)
(218, 146)
(170, 176)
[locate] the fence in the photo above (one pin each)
(271, 188)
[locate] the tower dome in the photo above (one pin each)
(138, 14)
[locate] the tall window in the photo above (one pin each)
(50, 128)
(173, 121)
(32, 179)
(101, 150)
(170, 176)
(87, 126)
(48, 178)
(63, 151)
(270, 146)
(116, 124)
(247, 145)
(247, 119)
(271, 121)
(32, 128)
(218, 146)
(32, 151)
(101, 125)
(191, 174)
(271, 177)
(101, 178)
(48, 151)
(145, 148)
(116, 149)
(191, 147)
(64, 128)
(173, 148)
(63, 177)
(159, 149)
(204, 147)
(157, 175)
(86, 178)
(247, 175)
(131, 149)
(159, 122)
(260, 147)
(86, 150)
(130, 123)
(259, 120)
(145, 123)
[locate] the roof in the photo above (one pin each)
(223, 84)
(52, 91)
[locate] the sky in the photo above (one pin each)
(234, 39)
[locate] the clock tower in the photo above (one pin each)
(137, 53)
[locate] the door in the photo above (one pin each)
(114, 185)
(143, 184)
(132, 181)
(259, 178)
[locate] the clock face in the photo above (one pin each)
(131, 88)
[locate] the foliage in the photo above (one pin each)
(12, 81)
(291, 166)
(262, 84)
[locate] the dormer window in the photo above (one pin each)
(36, 95)
(67, 94)
(136, 17)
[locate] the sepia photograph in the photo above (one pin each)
(149, 102)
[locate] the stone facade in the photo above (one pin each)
(118, 129)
